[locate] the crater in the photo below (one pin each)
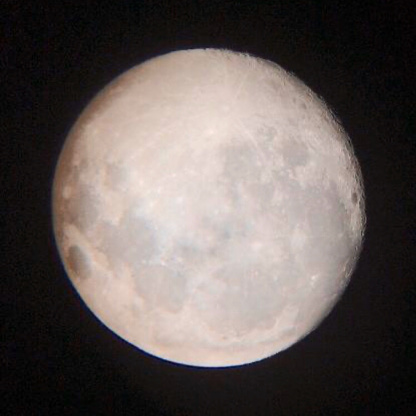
(78, 263)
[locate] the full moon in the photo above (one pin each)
(208, 208)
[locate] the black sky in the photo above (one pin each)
(56, 357)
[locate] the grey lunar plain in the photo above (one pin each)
(208, 208)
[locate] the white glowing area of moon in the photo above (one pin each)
(208, 208)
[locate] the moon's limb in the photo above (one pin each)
(209, 208)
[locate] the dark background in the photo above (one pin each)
(56, 358)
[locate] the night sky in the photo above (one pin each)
(57, 358)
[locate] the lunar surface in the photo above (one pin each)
(208, 208)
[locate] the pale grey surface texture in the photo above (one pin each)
(208, 208)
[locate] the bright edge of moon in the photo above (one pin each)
(208, 208)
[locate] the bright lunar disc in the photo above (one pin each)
(208, 208)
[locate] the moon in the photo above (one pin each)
(208, 208)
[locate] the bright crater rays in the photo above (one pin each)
(208, 208)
